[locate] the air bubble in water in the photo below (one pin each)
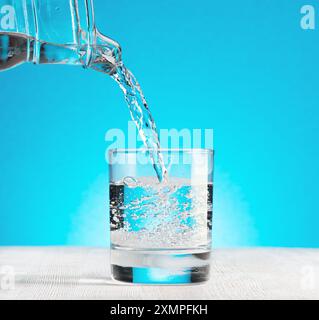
(130, 182)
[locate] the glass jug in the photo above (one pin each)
(54, 32)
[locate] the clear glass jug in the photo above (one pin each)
(54, 32)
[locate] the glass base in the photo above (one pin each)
(168, 267)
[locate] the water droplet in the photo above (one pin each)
(166, 189)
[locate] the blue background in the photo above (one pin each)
(244, 68)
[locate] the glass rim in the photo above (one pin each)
(164, 150)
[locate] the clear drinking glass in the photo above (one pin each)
(161, 231)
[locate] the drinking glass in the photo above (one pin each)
(161, 231)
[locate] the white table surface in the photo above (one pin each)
(83, 273)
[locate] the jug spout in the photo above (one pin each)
(105, 55)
